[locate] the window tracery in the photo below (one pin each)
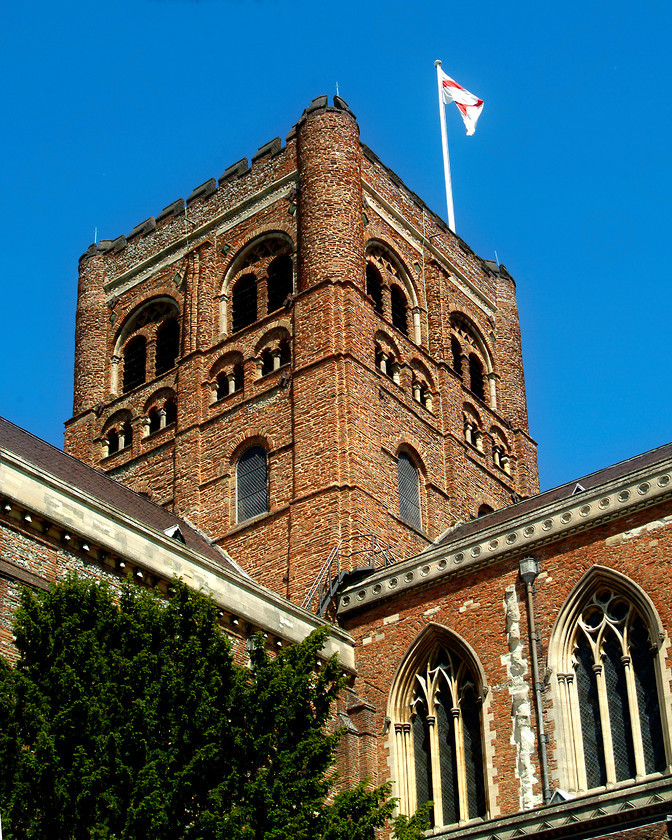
(438, 732)
(150, 340)
(609, 688)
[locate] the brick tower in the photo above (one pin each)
(302, 356)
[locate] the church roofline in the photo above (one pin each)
(617, 491)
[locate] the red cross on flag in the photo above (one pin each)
(470, 106)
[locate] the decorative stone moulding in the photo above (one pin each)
(548, 523)
(598, 815)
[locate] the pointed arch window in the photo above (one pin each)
(280, 282)
(252, 483)
(439, 737)
(609, 685)
(409, 491)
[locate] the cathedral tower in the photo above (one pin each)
(301, 359)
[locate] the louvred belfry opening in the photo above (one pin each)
(252, 483)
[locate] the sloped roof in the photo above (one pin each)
(563, 491)
(104, 489)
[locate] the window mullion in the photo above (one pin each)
(436, 770)
(576, 766)
(607, 740)
(408, 759)
(462, 794)
(635, 723)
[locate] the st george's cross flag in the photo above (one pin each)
(470, 106)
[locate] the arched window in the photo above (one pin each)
(167, 345)
(608, 681)
(230, 382)
(279, 281)
(244, 303)
(438, 733)
(285, 352)
(485, 509)
(476, 377)
(154, 416)
(409, 491)
(374, 287)
(135, 363)
(171, 411)
(456, 352)
(252, 483)
(399, 306)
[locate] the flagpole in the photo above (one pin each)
(444, 141)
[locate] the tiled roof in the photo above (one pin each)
(563, 491)
(104, 489)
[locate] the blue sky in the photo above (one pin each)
(113, 110)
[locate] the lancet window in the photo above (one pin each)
(409, 491)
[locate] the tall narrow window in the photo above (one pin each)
(476, 377)
(244, 304)
(135, 363)
(279, 281)
(608, 687)
(440, 756)
(409, 491)
(252, 483)
(399, 309)
(374, 287)
(617, 692)
(456, 352)
(167, 345)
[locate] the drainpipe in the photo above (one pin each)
(529, 569)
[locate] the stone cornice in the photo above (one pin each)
(549, 522)
(595, 815)
(72, 509)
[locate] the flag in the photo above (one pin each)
(470, 106)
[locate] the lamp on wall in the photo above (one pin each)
(529, 569)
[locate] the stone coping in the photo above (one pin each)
(520, 534)
(593, 815)
(68, 507)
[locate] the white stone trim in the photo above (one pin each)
(66, 505)
(548, 523)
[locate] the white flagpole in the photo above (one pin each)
(444, 141)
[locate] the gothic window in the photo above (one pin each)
(609, 688)
(438, 733)
(167, 345)
(135, 363)
(409, 491)
(476, 377)
(280, 282)
(617, 692)
(374, 287)
(244, 302)
(252, 483)
(399, 306)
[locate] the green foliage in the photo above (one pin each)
(127, 718)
